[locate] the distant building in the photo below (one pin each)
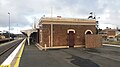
(110, 34)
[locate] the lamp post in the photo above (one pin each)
(9, 23)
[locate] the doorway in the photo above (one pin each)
(88, 32)
(34, 38)
(71, 39)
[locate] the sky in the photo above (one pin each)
(23, 13)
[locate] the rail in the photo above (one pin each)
(1, 53)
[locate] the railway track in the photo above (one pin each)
(6, 50)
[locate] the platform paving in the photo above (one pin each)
(72, 57)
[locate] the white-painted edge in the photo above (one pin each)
(88, 30)
(13, 54)
(70, 30)
(111, 45)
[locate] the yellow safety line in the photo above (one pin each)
(19, 56)
(5, 66)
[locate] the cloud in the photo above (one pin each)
(24, 11)
(111, 12)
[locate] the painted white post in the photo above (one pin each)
(51, 35)
(49, 40)
(45, 47)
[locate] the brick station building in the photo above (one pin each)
(65, 32)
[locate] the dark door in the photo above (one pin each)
(71, 39)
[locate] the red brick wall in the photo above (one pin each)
(93, 41)
(45, 34)
(60, 34)
(111, 33)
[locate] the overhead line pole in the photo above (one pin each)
(9, 24)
